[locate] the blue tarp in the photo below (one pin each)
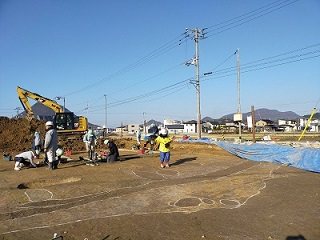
(201, 140)
(303, 158)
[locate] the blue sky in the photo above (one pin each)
(131, 54)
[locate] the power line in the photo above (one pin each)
(260, 64)
(168, 90)
(179, 40)
(182, 84)
(248, 17)
(172, 44)
(157, 75)
(161, 50)
(173, 88)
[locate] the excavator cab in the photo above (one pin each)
(64, 121)
(68, 122)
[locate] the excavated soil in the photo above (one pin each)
(206, 193)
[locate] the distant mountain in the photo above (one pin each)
(152, 121)
(262, 113)
(208, 119)
(315, 116)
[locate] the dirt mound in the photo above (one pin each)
(16, 135)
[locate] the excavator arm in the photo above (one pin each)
(24, 95)
(64, 122)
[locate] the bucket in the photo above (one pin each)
(7, 157)
(142, 151)
(68, 153)
(104, 153)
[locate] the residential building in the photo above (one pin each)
(210, 126)
(287, 125)
(122, 129)
(132, 128)
(173, 126)
(265, 125)
(190, 126)
(313, 125)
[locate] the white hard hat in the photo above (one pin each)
(90, 132)
(106, 141)
(59, 152)
(163, 131)
(49, 123)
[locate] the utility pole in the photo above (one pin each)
(196, 40)
(198, 34)
(87, 108)
(64, 102)
(253, 125)
(18, 109)
(144, 124)
(238, 83)
(105, 112)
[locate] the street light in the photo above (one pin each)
(64, 102)
(18, 109)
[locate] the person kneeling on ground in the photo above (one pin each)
(22, 157)
(113, 154)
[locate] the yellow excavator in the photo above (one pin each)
(64, 122)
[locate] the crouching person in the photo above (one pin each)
(113, 154)
(21, 159)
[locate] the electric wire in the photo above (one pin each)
(147, 79)
(220, 74)
(168, 90)
(161, 50)
(240, 21)
(172, 44)
(168, 46)
(257, 65)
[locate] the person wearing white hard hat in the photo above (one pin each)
(51, 145)
(138, 136)
(164, 141)
(90, 141)
(37, 143)
(113, 154)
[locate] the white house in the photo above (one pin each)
(173, 126)
(313, 125)
(132, 128)
(287, 125)
(190, 126)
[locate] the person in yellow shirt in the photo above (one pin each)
(163, 141)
